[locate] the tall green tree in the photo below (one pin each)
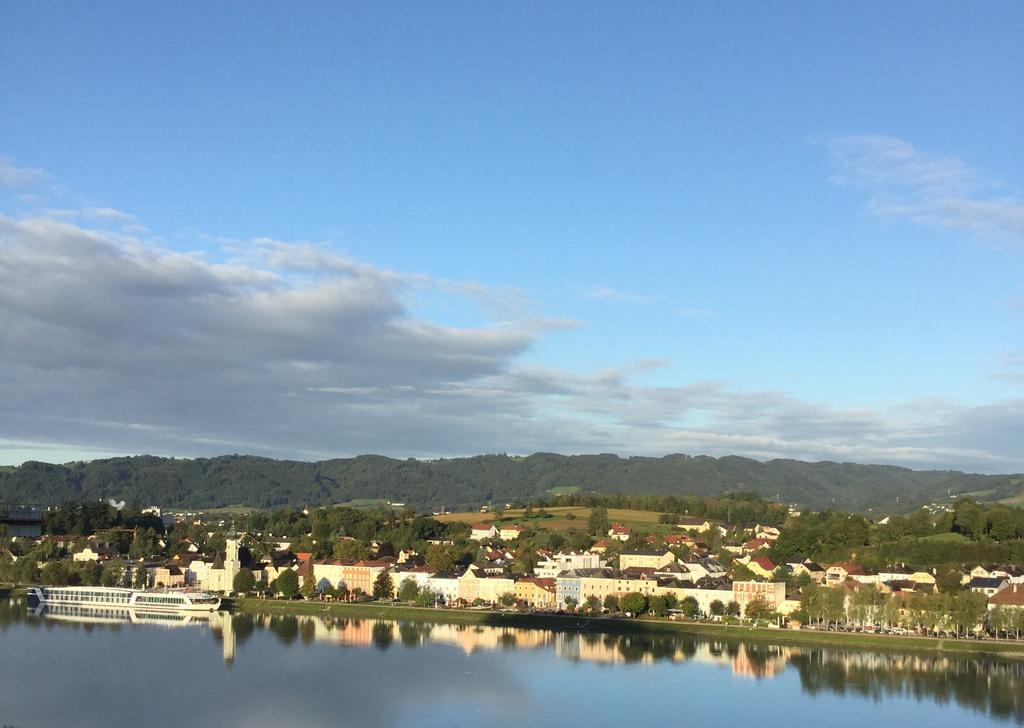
(597, 523)
(287, 584)
(633, 603)
(949, 577)
(383, 586)
(409, 590)
(244, 581)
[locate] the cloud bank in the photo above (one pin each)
(111, 343)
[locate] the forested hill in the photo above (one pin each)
(460, 482)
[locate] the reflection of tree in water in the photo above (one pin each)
(286, 628)
(507, 641)
(307, 630)
(988, 686)
(383, 634)
(244, 625)
(413, 634)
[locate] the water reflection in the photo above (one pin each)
(991, 686)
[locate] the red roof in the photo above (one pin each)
(676, 538)
(1012, 596)
(483, 527)
(765, 563)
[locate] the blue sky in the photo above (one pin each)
(785, 230)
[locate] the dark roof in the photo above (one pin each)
(982, 582)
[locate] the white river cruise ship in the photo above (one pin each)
(102, 596)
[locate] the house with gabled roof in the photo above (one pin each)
(651, 558)
(511, 532)
(482, 531)
(536, 591)
(839, 572)
(620, 532)
(1012, 597)
(761, 566)
(700, 525)
(989, 586)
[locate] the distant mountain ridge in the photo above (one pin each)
(464, 482)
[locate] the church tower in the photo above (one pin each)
(232, 565)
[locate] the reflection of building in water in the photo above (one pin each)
(742, 659)
(468, 638)
(226, 624)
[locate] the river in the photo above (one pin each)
(253, 670)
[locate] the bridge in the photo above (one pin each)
(22, 520)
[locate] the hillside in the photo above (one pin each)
(466, 482)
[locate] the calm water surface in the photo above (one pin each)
(59, 671)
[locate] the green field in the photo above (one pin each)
(563, 518)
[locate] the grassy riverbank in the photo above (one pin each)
(618, 625)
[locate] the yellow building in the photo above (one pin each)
(536, 591)
(645, 559)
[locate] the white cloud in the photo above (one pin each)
(15, 177)
(605, 293)
(926, 188)
(110, 343)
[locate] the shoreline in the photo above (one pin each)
(623, 625)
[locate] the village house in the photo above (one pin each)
(701, 567)
(476, 584)
(167, 575)
(550, 566)
(989, 586)
(420, 575)
(445, 585)
(636, 579)
(699, 525)
(805, 566)
(537, 592)
(678, 539)
(600, 547)
(923, 577)
(674, 570)
(510, 533)
(762, 567)
(352, 575)
(482, 531)
(1012, 597)
(896, 572)
(756, 544)
(706, 592)
(95, 552)
(1012, 574)
(840, 572)
(620, 532)
(646, 558)
(773, 593)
